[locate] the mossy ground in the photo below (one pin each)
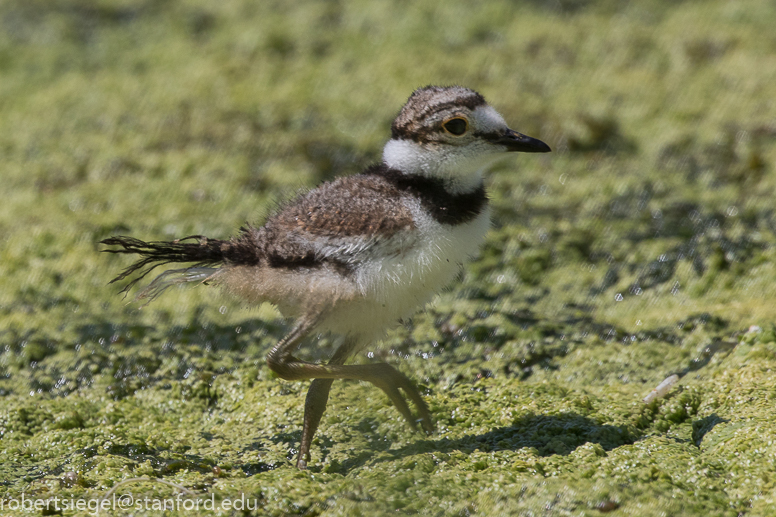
(643, 246)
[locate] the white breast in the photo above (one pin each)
(403, 273)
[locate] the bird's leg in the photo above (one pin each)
(315, 403)
(390, 380)
(382, 375)
(280, 359)
(314, 406)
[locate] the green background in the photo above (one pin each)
(642, 246)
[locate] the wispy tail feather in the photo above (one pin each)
(206, 252)
(174, 277)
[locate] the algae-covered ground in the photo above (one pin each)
(643, 246)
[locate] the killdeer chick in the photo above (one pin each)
(356, 255)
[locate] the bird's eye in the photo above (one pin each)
(456, 126)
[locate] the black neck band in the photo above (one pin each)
(445, 207)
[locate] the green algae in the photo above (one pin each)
(642, 247)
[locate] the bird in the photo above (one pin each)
(358, 254)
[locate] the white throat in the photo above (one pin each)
(461, 171)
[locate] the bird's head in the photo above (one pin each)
(451, 133)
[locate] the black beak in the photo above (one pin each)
(519, 143)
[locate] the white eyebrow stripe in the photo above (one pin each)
(487, 120)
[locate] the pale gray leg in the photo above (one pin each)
(382, 375)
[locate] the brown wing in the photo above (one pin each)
(347, 208)
(362, 205)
